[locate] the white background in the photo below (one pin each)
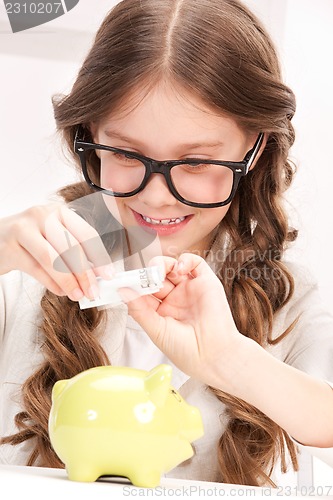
(43, 61)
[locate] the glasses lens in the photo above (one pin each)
(120, 173)
(203, 183)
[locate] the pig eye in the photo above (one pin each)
(176, 395)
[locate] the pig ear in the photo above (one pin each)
(158, 383)
(57, 388)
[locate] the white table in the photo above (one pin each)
(36, 483)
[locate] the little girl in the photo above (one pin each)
(182, 126)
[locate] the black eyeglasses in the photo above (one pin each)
(195, 182)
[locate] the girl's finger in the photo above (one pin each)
(43, 252)
(168, 286)
(172, 275)
(72, 257)
(65, 243)
(143, 310)
(89, 240)
(32, 267)
(189, 263)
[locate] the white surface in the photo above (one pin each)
(32, 483)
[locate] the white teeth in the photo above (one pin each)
(163, 222)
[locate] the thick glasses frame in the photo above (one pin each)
(239, 168)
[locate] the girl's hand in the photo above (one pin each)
(51, 243)
(189, 319)
(192, 324)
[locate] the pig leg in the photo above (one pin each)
(145, 477)
(84, 472)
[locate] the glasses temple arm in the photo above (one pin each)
(250, 157)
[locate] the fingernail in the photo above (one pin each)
(179, 266)
(76, 294)
(108, 271)
(93, 292)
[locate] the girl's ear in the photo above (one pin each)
(262, 147)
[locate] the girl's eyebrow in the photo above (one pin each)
(113, 134)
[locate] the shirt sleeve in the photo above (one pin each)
(10, 293)
(2, 314)
(309, 345)
(19, 302)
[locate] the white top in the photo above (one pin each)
(309, 347)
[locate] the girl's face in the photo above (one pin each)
(167, 125)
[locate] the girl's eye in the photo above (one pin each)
(122, 156)
(122, 159)
(195, 167)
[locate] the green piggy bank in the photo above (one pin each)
(122, 422)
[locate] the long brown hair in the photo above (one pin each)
(219, 51)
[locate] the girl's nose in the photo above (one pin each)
(156, 193)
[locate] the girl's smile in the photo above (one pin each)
(164, 226)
